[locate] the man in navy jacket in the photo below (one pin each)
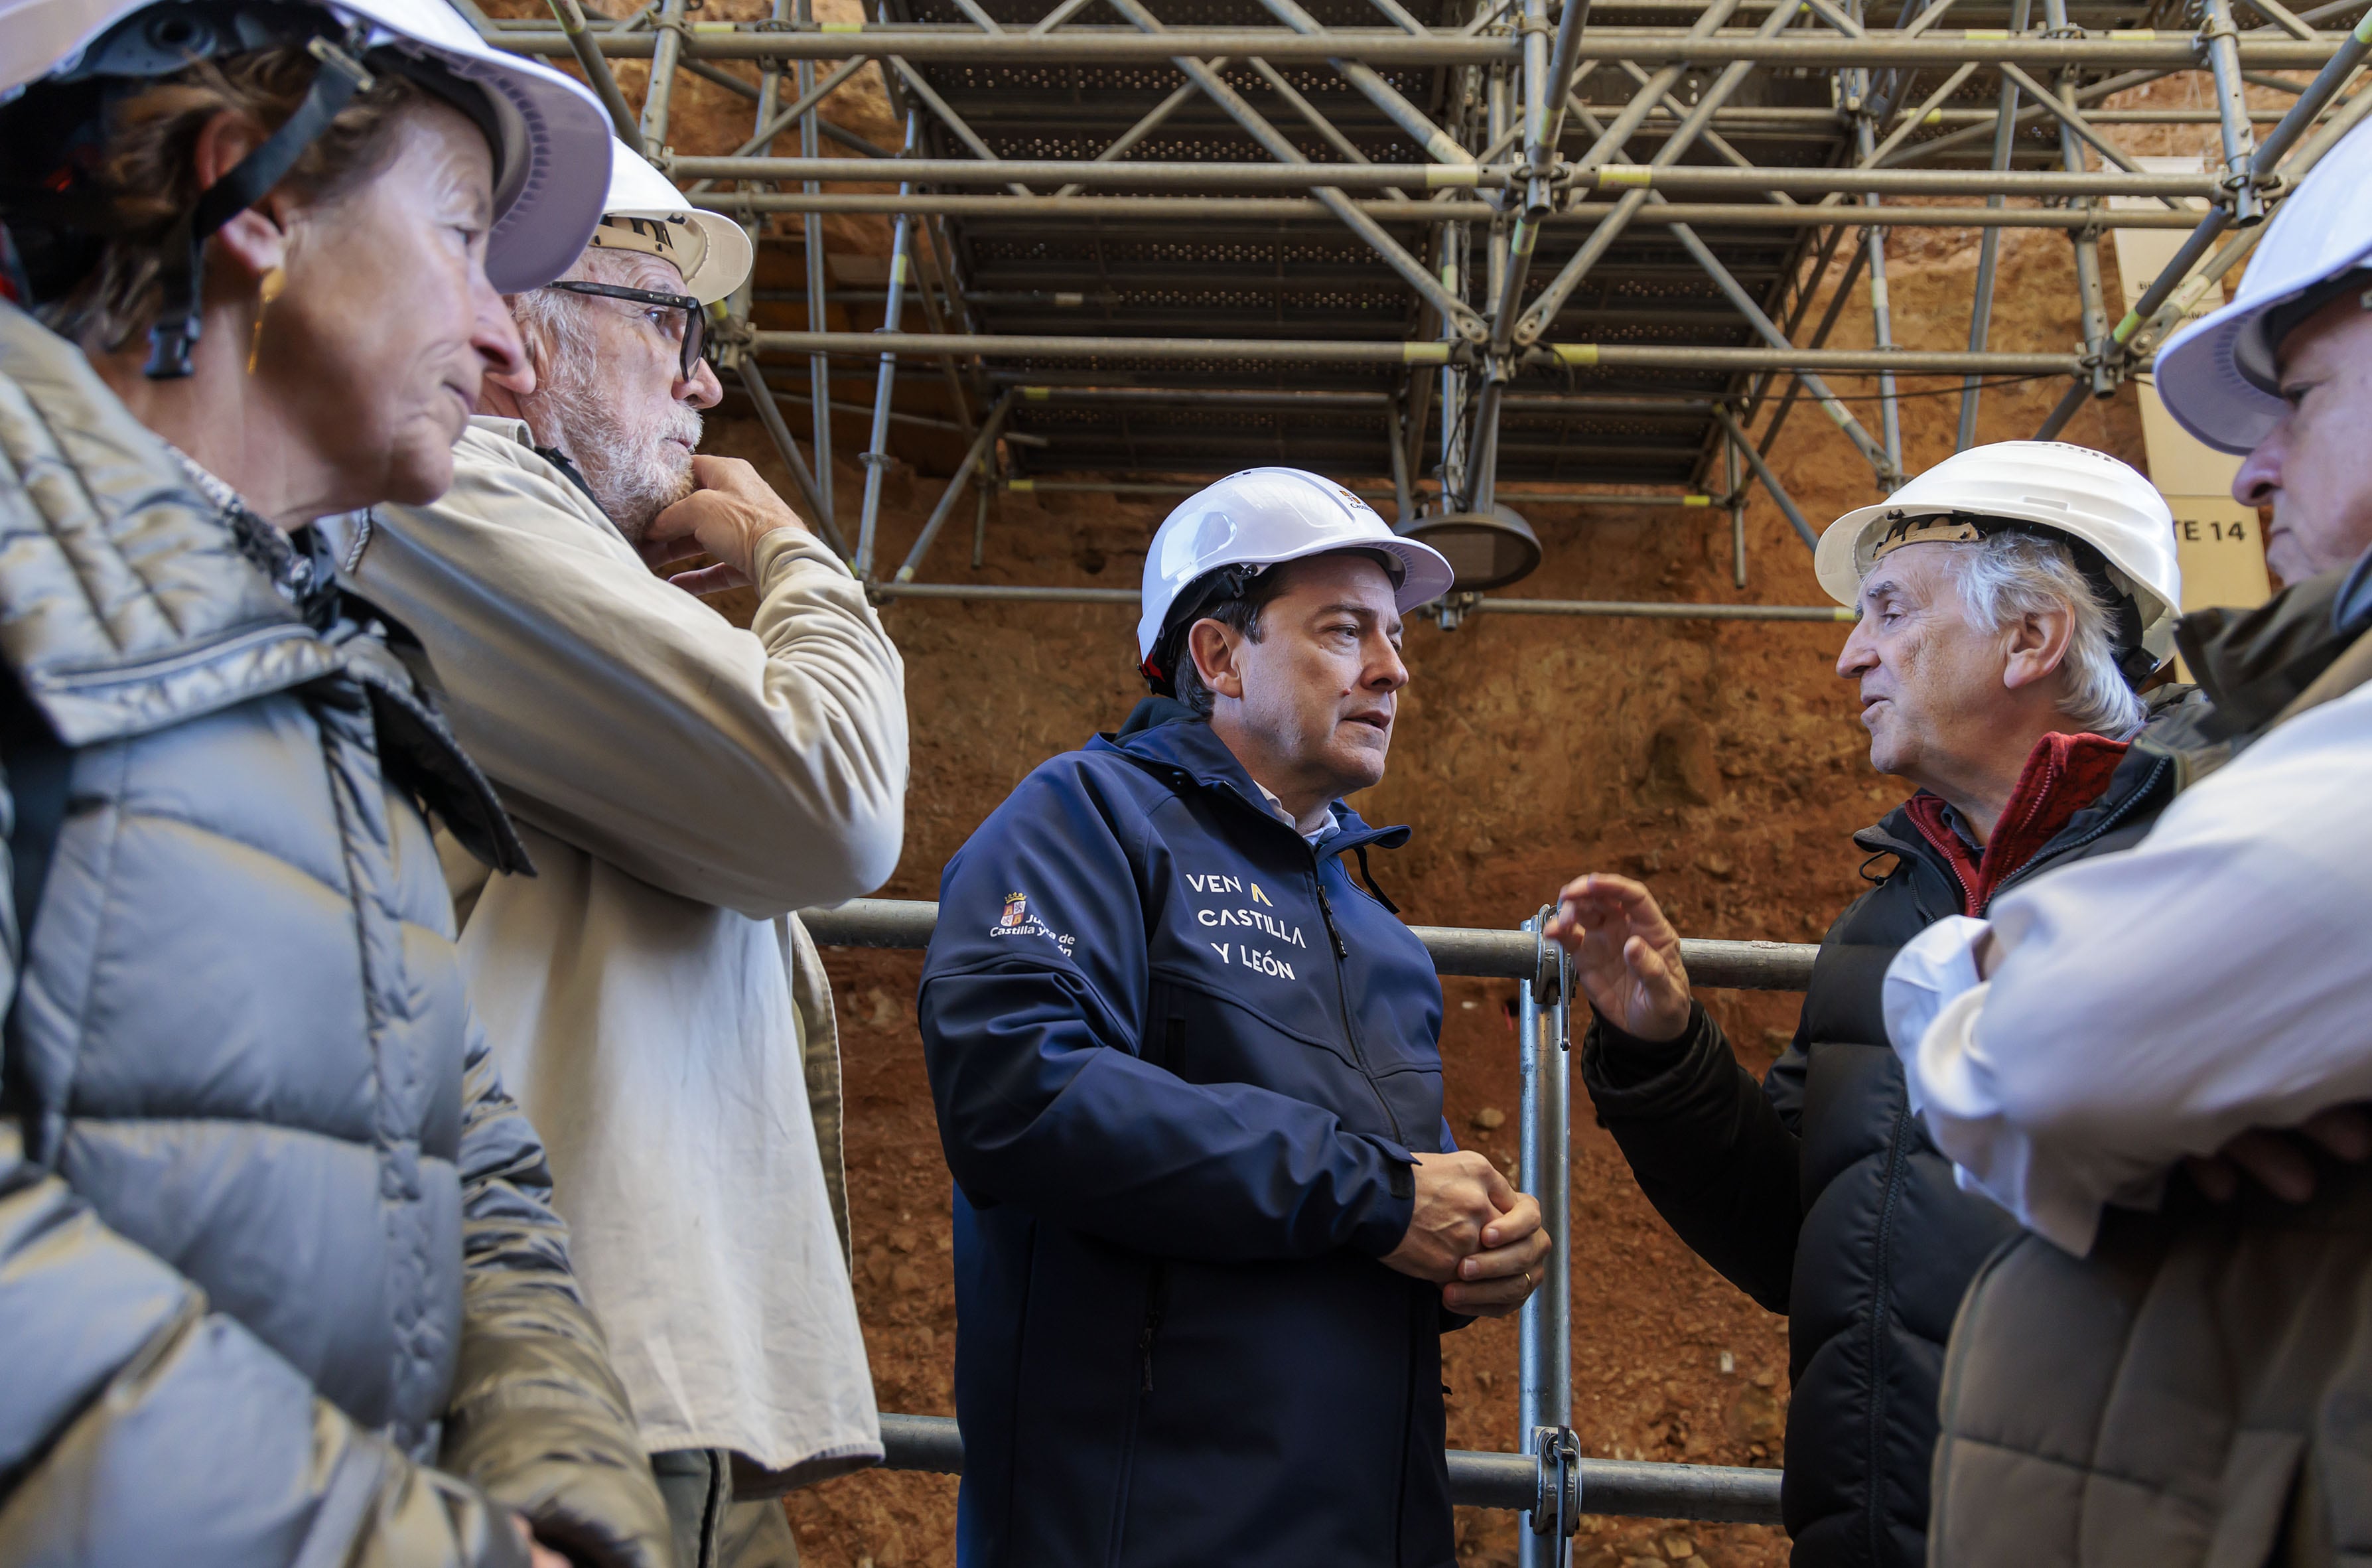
(1209, 1223)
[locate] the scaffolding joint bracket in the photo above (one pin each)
(2247, 195)
(1547, 958)
(1556, 1501)
(1452, 608)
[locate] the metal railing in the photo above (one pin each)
(1546, 1480)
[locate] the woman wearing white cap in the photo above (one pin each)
(2173, 1367)
(279, 1278)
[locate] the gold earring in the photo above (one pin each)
(274, 282)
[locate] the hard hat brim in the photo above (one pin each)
(2199, 380)
(726, 255)
(554, 170)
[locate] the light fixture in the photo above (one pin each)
(1485, 550)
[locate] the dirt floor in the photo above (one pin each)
(1721, 762)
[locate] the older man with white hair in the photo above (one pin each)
(683, 785)
(2012, 598)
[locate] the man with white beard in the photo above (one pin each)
(682, 785)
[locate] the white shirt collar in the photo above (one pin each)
(1332, 822)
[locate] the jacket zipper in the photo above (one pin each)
(1342, 992)
(1880, 1311)
(1157, 1303)
(2131, 804)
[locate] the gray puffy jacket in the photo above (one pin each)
(279, 1278)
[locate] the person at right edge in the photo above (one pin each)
(280, 1279)
(2013, 598)
(2173, 1366)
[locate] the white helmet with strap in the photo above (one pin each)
(2121, 526)
(645, 212)
(1256, 519)
(61, 59)
(2216, 375)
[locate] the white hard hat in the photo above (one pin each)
(645, 212)
(2216, 375)
(1264, 517)
(2068, 490)
(553, 137)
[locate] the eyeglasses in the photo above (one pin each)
(693, 335)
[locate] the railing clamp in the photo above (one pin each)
(1547, 962)
(1556, 1505)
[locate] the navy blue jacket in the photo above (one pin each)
(1181, 1061)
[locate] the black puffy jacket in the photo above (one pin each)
(1817, 1192)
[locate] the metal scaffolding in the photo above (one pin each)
(1545, 1477)
(1455, 247)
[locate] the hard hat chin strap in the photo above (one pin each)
(341, 76)
(1211, 589)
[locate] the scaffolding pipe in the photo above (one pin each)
(1001, 593)
(1298, 174)
(1254, 124)
(819, 304)
(875, 457)
(1526, 497)
(982, 445)
(1881, 315)
(1735, 488)
(595, 67)
(1885, 357)
(1438, 143)
(2222, 42)
(1482, 952)
(754, 381)
(1391, 49)
(1145, 127)
(1981, 313)
(1275, 397)
(1548, 357)
(1270, 209)
(1770, 477)
(666, 49)
(1544, 1170)
(1622, 1488)
(1544, 313)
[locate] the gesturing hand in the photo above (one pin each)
(1625, 955)
(731, 509)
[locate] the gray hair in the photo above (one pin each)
(2006, 576)
(558, 322)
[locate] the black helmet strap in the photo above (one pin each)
(341, 76)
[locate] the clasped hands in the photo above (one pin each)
(1474, 1235)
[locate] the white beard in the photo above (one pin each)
(636, 470)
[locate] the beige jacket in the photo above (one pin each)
(683, 785)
